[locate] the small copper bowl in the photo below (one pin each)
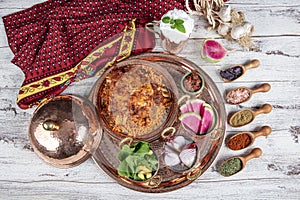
(151, 182)
(192, 172)
(65, 131)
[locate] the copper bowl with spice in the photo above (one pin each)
(192, 83)
(136, 98)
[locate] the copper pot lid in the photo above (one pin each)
(65, 130)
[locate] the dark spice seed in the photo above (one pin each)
(231, 73)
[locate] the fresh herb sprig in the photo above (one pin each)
(175, 23)
(137, 161)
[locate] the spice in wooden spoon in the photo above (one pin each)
(244, 117)
(232, 73)
(243, 94)
(234, 165)
(245, 139)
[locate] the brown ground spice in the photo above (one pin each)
(192, 82)
(240, 141)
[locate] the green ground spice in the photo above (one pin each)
(231, 167)
(242, 118)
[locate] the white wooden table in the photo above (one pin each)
(276, 175)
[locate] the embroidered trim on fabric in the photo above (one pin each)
(67, 76)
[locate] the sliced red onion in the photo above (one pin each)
(170, 149)
(177, 142)
(188, 154)
(171, 159)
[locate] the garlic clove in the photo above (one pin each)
(223, 29)
(248, 28)
(225, 13)
(242, 30)
(171, 159)
(237, 32)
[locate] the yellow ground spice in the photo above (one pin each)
(242, 118)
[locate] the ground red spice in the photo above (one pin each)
(240, 141)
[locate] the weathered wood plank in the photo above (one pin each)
(279, 189)
(273, 176)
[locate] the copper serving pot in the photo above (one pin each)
(65, 130)
(129, 96)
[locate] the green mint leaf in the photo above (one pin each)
(179, 21)
(173, 26)
(133, 162)
(137, 154)
(172, 21)
(153, 162)
(142, 147)
(123, 169)
(124, 153)
(180, 28)
(166, 20)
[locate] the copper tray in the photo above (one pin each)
(106, 155)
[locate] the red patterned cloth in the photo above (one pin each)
(51, 38)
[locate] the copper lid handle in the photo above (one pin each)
(50, 125)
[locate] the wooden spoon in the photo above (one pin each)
(252, 64)
(255, 153)
(264, 131)
(248, 115)
(234, 99)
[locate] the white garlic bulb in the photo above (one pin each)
(224, 13)
(240, 31)
(223, 29)
(248, 27)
